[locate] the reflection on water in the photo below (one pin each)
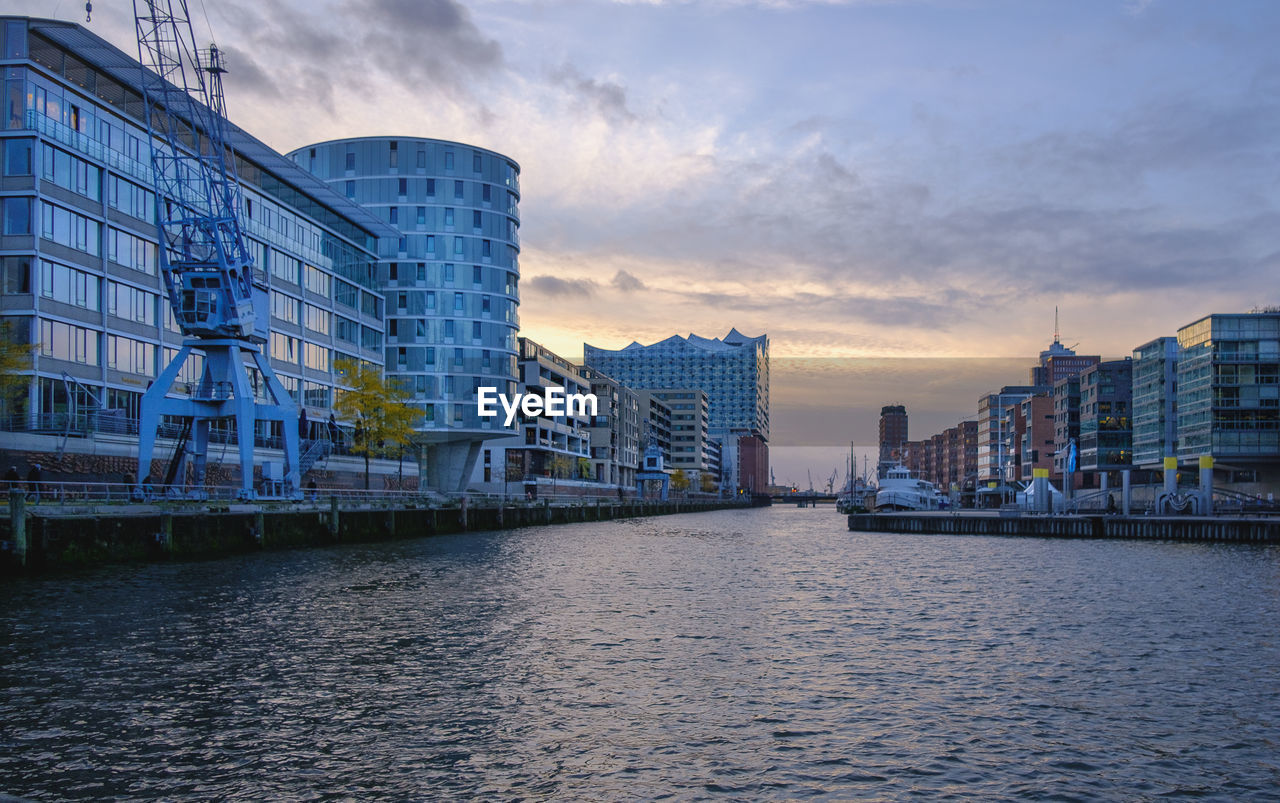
(751, 653)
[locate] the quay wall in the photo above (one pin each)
(1230, 530)
(36, 540)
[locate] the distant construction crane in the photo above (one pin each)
(218, 299)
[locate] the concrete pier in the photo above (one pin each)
(46, 537)
(1164, 528)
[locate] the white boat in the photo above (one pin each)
(901, 491)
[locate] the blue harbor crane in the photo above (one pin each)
(219, 301)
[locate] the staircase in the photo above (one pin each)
(313, 451)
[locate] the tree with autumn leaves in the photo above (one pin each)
(377, 407)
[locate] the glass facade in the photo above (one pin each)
(1155, 410)
(450, 277)
(733, 372)
(1229, 387)
(81, 246)
(1106, 433)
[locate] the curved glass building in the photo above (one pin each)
(451, 280)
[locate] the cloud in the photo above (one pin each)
(606, 97)
(626, 282)
(555, 286)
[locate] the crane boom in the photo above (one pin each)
(219, 301)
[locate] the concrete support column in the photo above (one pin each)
(1170, 475)
(333, 517)
(1206, 485)
(1126, 491)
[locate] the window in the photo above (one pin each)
(132, 252)
(62, 341)
(315, 357)
(458, 302)
(457, 247)
(431, 299)
(129, 198)
(17, 157)
(15, 275)
(448, 160)
(315, 394)
(486, 249)
(486, 194)
(316, 280)
(448, 272)
(422, 216)
(351, 189)
(347, 330)
(286, 267)
(67, 228)
(476, 274)
(457, 190)
(284, 347)
(394, 156)
(131, 356)
(70, 286)
(422, 159)
(431, 188)
(393, 215)
(448, 217)
(283, 307)
(316, 319)
(475, 162)
(351, 160)
(131, 303)
(448, 329)
(17, 215)
(431, 244)
(475, 330)
(403, 186)
(70, 172)
(475, 220)
(346, 294)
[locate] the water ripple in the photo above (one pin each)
(746, 655)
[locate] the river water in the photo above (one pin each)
(738, 654)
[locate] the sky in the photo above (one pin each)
(861, 180)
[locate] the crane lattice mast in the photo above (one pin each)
(219, 301)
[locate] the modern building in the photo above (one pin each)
(1036, 440)
(616, 431)
(546, 450)
(1155, 403)
(1229, 396)
(1106, 429)
(893, 437)
(693, 451)
(450, 277)
(80, 271)
(1066, 427)
(994, 453)
(733, 371)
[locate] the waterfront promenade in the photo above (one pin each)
(1014, 523)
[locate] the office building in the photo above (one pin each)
(450, 277)
(693, 451)
(994, 455)
(1229, 396)
(81, 278)
(1155, 403)
(1106, 431)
